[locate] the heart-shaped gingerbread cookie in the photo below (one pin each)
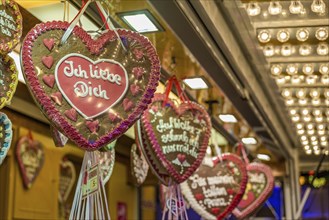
(6, 135)
(30, 156)
(10, 26)
(259, 188)
(66, 180)
(138, 164)
(106, 163)
(8, 80)
(215, 189)
(88, 88)
(179, 135)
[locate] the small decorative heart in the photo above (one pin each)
(6, 135)
(94, 81)
(30, 156)
(11, 26)
(66, 179)
(138, 164)
(259, 188)
(8, 79)
(207, 189)
(59, 139)
(106, 162)
(178, 135)
(176, 207)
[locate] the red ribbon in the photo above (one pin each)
(242, 151)
(173, 81)
(104, 19)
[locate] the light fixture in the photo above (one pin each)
(302, 34)
(305, 142)
(299, 126)
(286, 93)
(303, 138)
(310, 126)
(293, 111)
(323, 138)
(306, 147)
(296, 79)
(280, 80)
(228, 118)
(303, 101)
(308, 68)
(208, 150)
(249, 140)
(324, 68)
(264, 36)
(311, 79)
(296, 7)
(310, 132)
(315, 93)
(320, 127)
(275, 8)
(286, 50)
(316, 101)
(253, 9)
(319, 118)
(318, 6)
(313, 138)
(292, 69)
(317, 112)
(317, 152)
(321, 33)
(141, 21)
(269, 50)
(325, 79)
(305, 50)
(308, 152)
(295, 118)
(300, 132)
(326, 93)
(315, 147)
(276, 69)
(283, 35)
(307, 118)
(301, 93)
(290, 101)
(322, 49)
(196, 83)
(305, 111)
(264, 157)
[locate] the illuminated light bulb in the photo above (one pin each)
(316, 101)
(253, 9)
(299, 126)
(321, 33)
(293, 111)
(308, 69)
(274, 8)
(286, 50)
(318, 6)
(269, 50)
(310, 132)
(325, 79)
(326, 93)
(286, 93)
(322, 49)
(311, 79)
(296, 7)
(301, 93)
(326, 152)
(276, 69)
(283, 35)
(305, 112)
(303, 138)
(317, 112)
(305, 142)
(320, 127)
(319, 119)
(307, 118)
(323, 138)
(321, 132)
(315, 93)
(313, 138)
(292, 69)
(315, 147)
(326, 102)
(317, 152)
(310, 126)
(327, 113)
(308, 152)
(324, 68)
(324, 143)
(300, 131)
(306, 147)
(264, 36)
(281, 80)
(305, 50)
(290, 101)
(302, 34)
(302, 101)
(296, 79)
(295, 118)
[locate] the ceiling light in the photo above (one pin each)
(283, 35)
(303, 138)
(325, 79)
(313, 138)
(264, 36)
(318, 6)
(249, 140)
(311, 79)
(286, 93)
(310, 126)
(324, 68)
(292, 69)
(293, 111)
(296, 79)
(280, 80)
(308, 68)
(253, 9)
(316, 147)
(275, 8)
(302, 34)
(264, 157)
(290, 101)
(196, 83)
(306, 147)
(296, 7)
(269, 50)
(276, 69)
(307, 118)
(141, 21)
(305, 50)
(310, 132)
(319, 118)
(315, 93)
(316, 101)
(302, 101)
(324, 143)
(320, 127)
(321, 33)
(322, 49)
(228, 118)
(300, 132)
(299, 126)
(326, 93)
(317, 152)
(301, 93)
(317, 112)
(295, 118)
(286, 50)
(305, 142)
(305, 111)
(308, 152)
(321, 132)
(323, 138)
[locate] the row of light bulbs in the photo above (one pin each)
(302, 93)
(316, 152)
(308, 118)
(283, 35)
(310, 126)
(293, 68)
(310, 80)
(322, 49)
(314, 140)
(295, 8)
(306, 101)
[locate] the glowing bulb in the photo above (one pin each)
(318, 6)
(276, 69)
(321, 132)
(275, 8)
(308, 68)
(322, 49)
(317, 112)
(300, 131)
(295, 118)
(296, 79)
(269, 50)
(283, 35)
(253, 9)
(324, 143)
(292, 69)
(320, 127)
(281, 80)
(321, 33)
(305, 50)
(310, 132)
(326, 93)
(303, 138)
(302, 34)
(316, 101)
(305, 112)
(323, 138)
(290, 101)
(307, 118)
(313, 138)
(264, 36)
(315, 93)
(319, 118)
(306, 147)
(324, 68)
(325, 79)
(302, 101)
(305, 142)
(317, 152)
(286, 50)
(299, 126)
(286, 93)
(316, 147)
(296, 7)
(308, 152)
(301, 93)
(311, 79)
(293, 111)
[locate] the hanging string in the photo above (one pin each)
(30, 136)
(242, 151)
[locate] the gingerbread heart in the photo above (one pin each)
(30, 156)
(178, 135)
(215, 189)
(259, 188)
(8, 80)
(138, 164)
(6, 135)
(92, 80)
(106, 163)
(66, 180)
(10, 26)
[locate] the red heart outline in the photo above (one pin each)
(157, 147)
(257, 203)
(94, 46)
(236, 199)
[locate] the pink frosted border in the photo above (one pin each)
(157, 147)
(265, 194)
(47, 105)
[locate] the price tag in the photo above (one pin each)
(90, 183)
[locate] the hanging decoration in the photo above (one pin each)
(59, 139)
(8, 79)
(67, 179)
(6, 135)
(90, 90)
(106, 161)
(259, 188)
(10, 26)
(138, 164)
(217, 187)
(30, 157)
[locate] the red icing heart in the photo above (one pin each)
(215, 210)
(199, 196)
(30, 158)
(49, 43)
(48, 61)
(71, 114)
(138, 54)
(138, 72)
(260, 187)
(113, 117)
(135, 89)
(178, 138)
(113, 80)
(49, 80)
(57, 97)
(93, 126)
